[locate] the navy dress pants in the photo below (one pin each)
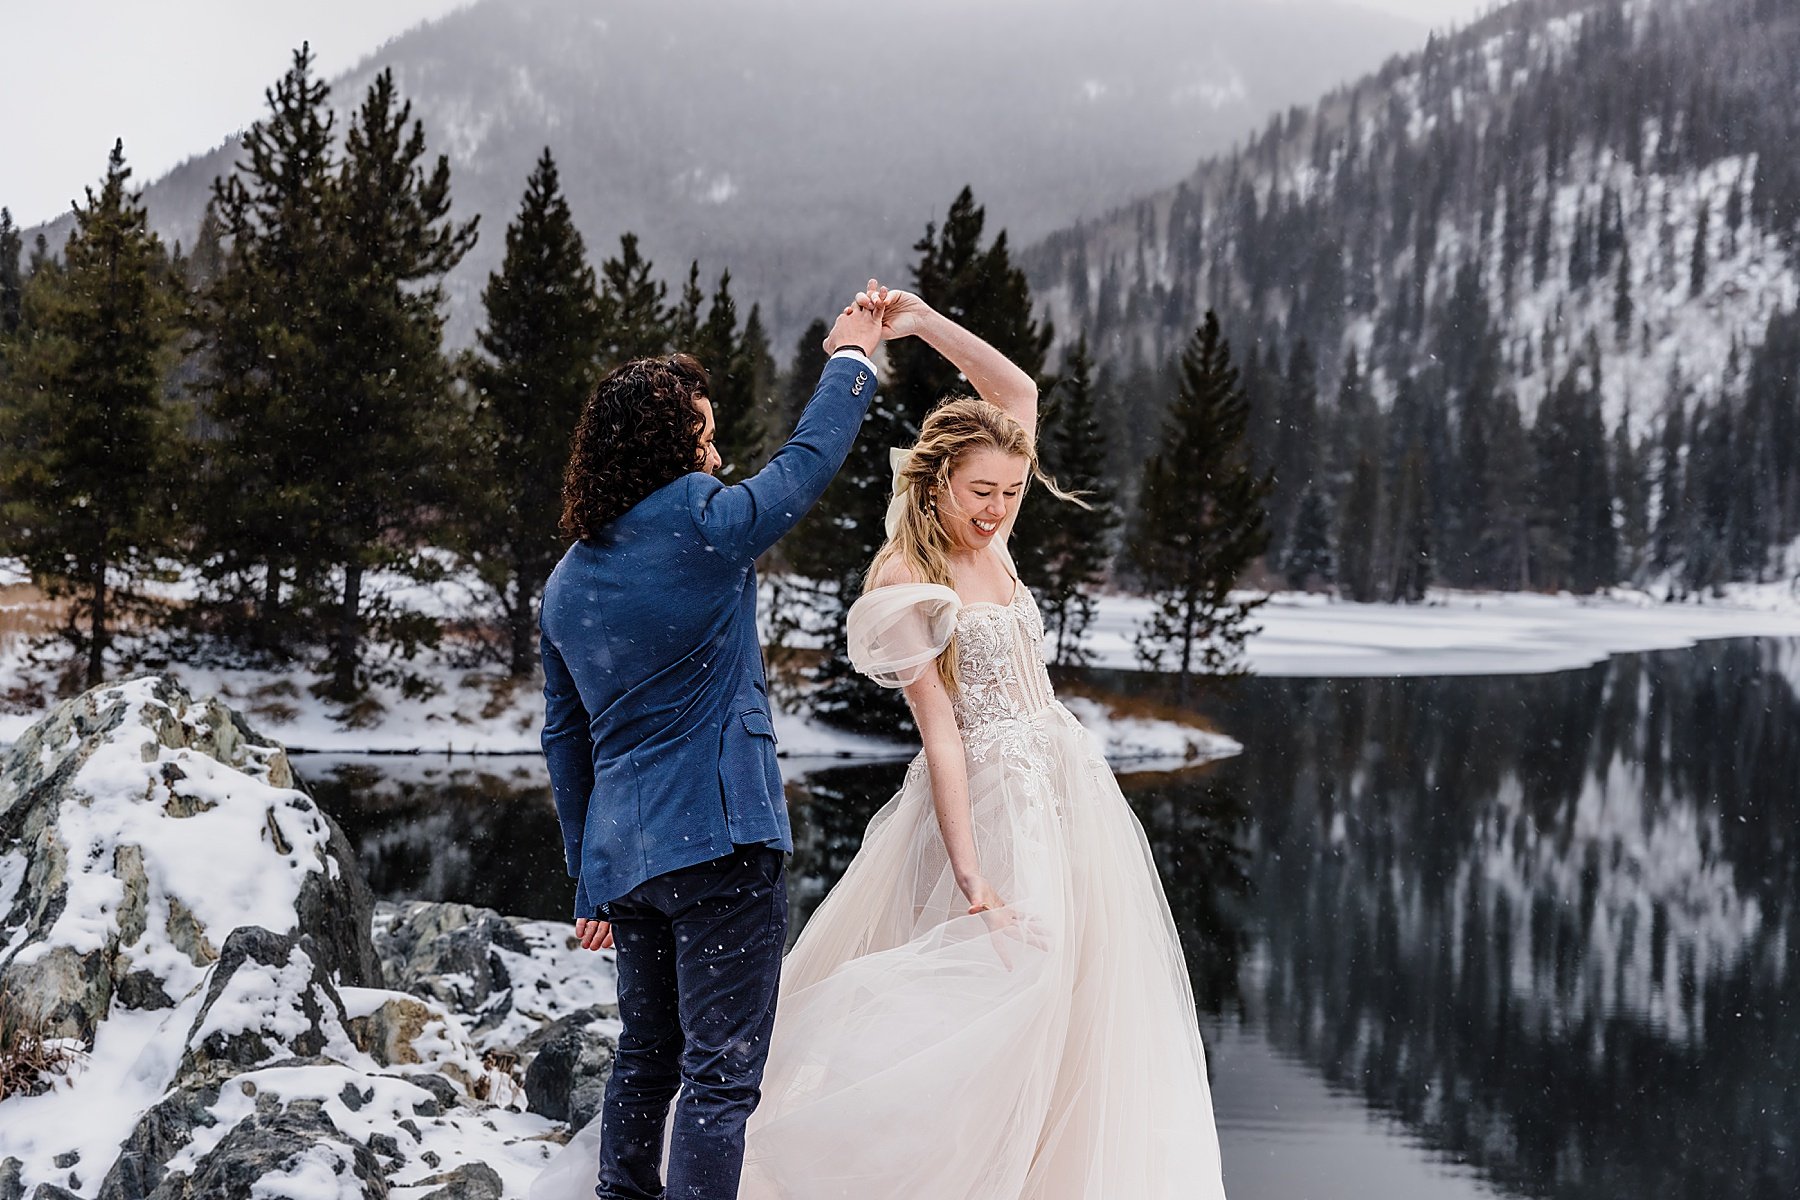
(699, 956)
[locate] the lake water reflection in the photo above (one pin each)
(1526, 936)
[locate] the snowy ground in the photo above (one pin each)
(479, 711)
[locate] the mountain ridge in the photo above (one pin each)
(805, 134)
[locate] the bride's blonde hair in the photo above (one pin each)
(919, 546)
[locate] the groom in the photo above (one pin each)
(660, 748)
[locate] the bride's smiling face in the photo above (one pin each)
(985, 486)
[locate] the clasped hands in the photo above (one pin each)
(877, 314)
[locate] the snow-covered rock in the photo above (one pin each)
(267, 1000)
(138, 828)
(449, 953)
(200, 933)
(294, 1150)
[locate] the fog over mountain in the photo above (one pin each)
(799, 143)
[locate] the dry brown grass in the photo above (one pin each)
(1134, 704)
(26, 1054)
(26, 612)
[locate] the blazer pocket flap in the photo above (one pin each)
(759, 724)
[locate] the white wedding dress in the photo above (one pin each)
(921, 1053)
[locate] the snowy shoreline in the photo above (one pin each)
(478, 711)
(1468, 633)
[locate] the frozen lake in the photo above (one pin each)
(1477, 935)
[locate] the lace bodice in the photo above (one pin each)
(1003, 689)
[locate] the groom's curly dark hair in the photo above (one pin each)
(639, 430)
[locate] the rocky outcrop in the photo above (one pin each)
(172, 900)
(161, 1133)
(138, 828)
(472, 1181)
(268, 1001)
(573, 1059)
(447, 952)
(298, 1142)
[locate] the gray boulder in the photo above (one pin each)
(12, 1185)
(471, 1181)
(159, 1135)
(566, 1080)
(152, 782)
(272, 1141)
(269, 1000)
(445, 952)
(266, 1001)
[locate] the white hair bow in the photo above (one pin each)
(897, 459)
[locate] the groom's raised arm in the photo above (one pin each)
(748, 518)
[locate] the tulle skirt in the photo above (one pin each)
(1050, 1051)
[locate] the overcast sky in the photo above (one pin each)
(174, 77)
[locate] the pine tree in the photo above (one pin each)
(1555, 443)
(1474, 503)
(1074, 542)
(1512, 235)
(1623, 308)
(12, 283)
(1297, 443)
(1359, 532)
(397, 243)
(1351, 425)
(1711, 479)
(264, 324)
(755, 377)
(1504, 549)
(1697, 260)
(540, 354)
(1575, 542)
(1771, 389)
(806, 563)
(1597, 560)
(1671, 486)
(1311, 556)
(1200, 520)
(1634, 515)
(89, 445)
(1540, 245)
(1414, 557)
(40, 258)
(634, 311)
(735, 383)
(802, 376)
(684, 324)
(207, 261)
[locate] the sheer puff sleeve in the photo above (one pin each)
(897, 632)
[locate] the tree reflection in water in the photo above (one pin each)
(1547, 921)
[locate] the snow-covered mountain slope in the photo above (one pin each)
(1620, 175)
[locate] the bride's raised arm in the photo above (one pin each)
(995, 378)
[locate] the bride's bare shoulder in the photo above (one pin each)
(893, 573)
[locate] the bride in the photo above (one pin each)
(992, 1002)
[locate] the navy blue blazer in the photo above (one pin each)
(656, 710)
